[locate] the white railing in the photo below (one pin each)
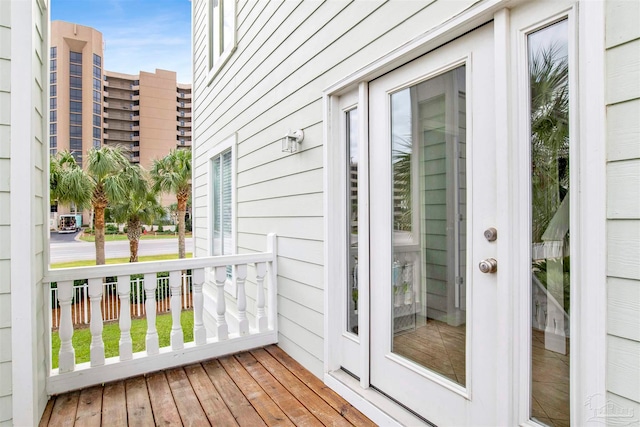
(111, 303)
(251, 323)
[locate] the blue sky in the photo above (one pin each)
(139, 35)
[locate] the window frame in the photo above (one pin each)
(228, 144)
(226, 50)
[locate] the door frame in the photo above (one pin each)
(587, 372)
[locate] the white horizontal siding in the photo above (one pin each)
(623, 182)
(623, 203)
(623, 367)
(623, 130)
(287, 54)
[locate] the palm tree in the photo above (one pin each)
(67, 183)
(139, 207)
(172, 174)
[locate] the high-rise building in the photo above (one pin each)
(147, 114)
(76, 89)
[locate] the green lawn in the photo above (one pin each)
(111, 336)
(90, 262)
(114, 237)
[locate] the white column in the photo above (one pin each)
(150, 284)
(67, 355)
(199, 332)
(125, 344)
(97, 345)
(222, 329)
(243, 322)
(177, 337)
(261, 314)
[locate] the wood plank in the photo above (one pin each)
(332, 398)
(623, 181)
(238, 404)
(138, 404)
(623, 66)
(64, 410)
(623, 370)
(623, 128)
(267, 408)
(186, 400)
(90, 407)
(214, 407)
(623, 308)
(163, 406)
(46, 415)
(114, 405)
(318, 407)
(289, 404)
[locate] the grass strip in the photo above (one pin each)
(111, 336)
(120, 237)
(123, 260)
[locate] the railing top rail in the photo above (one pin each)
(77, 273)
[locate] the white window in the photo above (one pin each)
(222, 33)
(222, 204)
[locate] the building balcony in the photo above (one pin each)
(180, 133)
(184, 114)
(178, 292)
(183, 103)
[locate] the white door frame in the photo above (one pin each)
(588, 372)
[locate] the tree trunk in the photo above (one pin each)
(99, 228)
(133, 234)
(133, 249)
(182, 209)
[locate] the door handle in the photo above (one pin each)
(489, 265)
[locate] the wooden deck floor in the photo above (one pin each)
(256, 388)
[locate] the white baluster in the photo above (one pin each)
(199, 332)
(243, 322)
(125, 344)
(97, 345)
(67, 355)
(261, 314)
(222, 329)
(150, 284)
(177, 337)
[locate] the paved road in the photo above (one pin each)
(77, 250)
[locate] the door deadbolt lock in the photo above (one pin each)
(489, 265)
(491, 234)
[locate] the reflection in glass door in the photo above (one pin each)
(550, 280)
(428, 304)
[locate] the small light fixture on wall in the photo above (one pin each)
(292, 140)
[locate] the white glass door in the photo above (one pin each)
(433, 311)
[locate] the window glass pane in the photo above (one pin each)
(75, 57)
(53, 64)
(53, 78)
(97, 60)
(96, 108)
(228, 20)
(97, 132)
(53, 90)
(75, 131)
(428, 133)
(54, 52)
(75, 106)
(75, 81)
(75, 94)
(75, 69)
(226, 203)
(352, 202)
(75, 118)
(53, 129)
(53, 141)
(217, 235)
(216, 33)
(53, 116)
(53, 103)
(97, 84)
(97, 72)
(96, 120)
(550, 280)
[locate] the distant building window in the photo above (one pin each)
(75, 57)
(75, 81)
(53, 141)
(96, 143)
(75, 69)
(181, 122)
(96, 121)
(222, 33)
(75, 94)
(53, 103)
(53, 78)
(75, 131)
(75, 118)
(181, 132)
(53, 90)
(96, 108)
(97, 133)
(54, 52)
(97, 60)
(53, 116)
(97, 72)
(182, 103)
(53, 129)
(53, 64)
(97, 84)
(181, 113)
(75, 106)
(96, 96)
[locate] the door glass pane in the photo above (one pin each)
(352, 202)
(428, 298)
(550, 284)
